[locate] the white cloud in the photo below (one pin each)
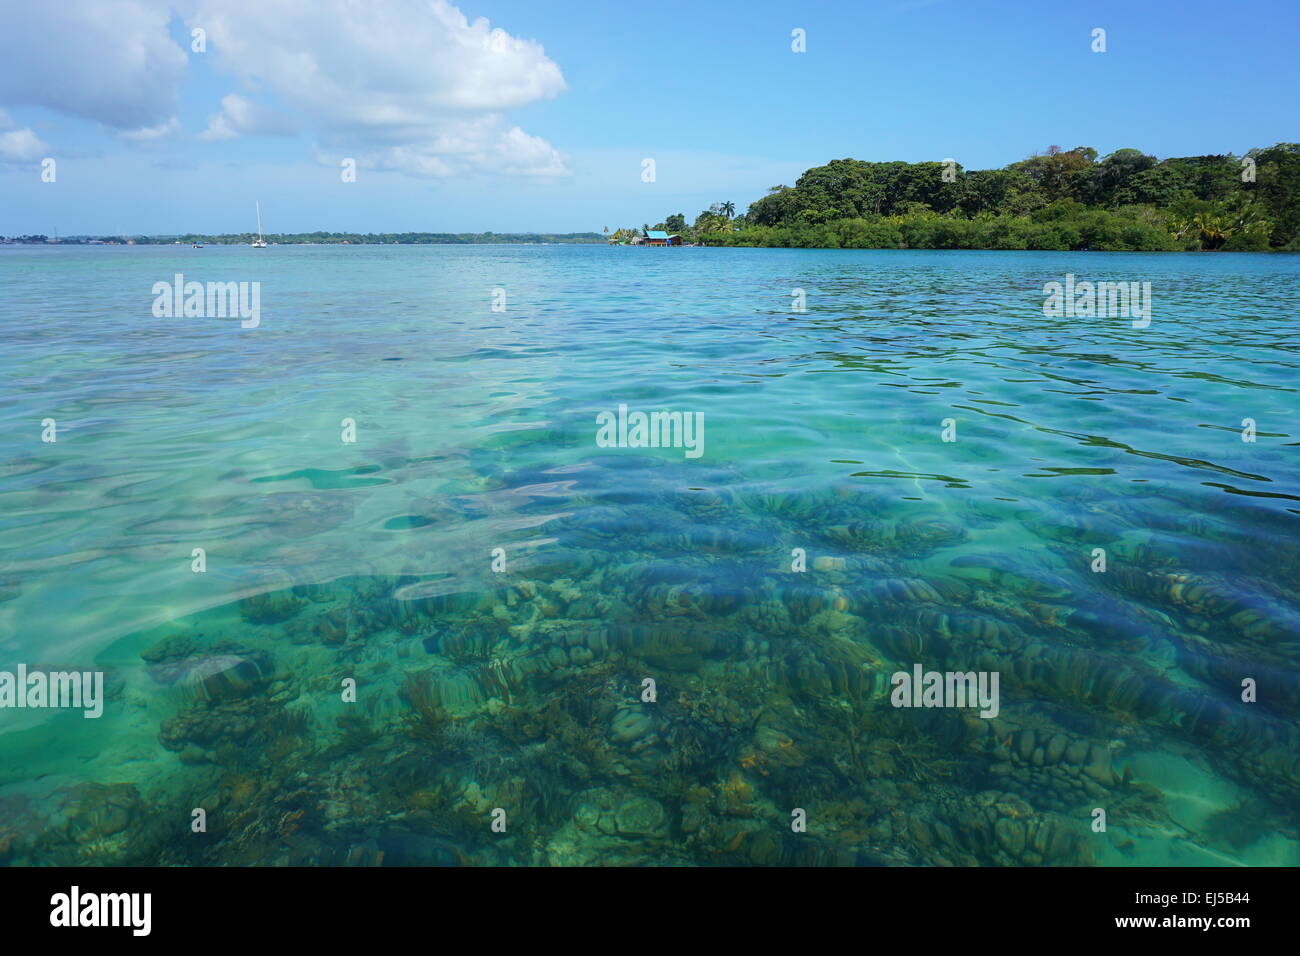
(380, 64)
(243, 117)
(111, 61)
(406, 85)
(404, 159)
(484, 143)
(152, 134)
(19, 145)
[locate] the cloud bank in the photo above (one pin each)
(411, 86)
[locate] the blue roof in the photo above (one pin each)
(656, 234)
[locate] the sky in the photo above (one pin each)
(538, 115)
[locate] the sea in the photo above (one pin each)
(568, 555)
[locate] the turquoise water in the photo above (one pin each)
(514, 694)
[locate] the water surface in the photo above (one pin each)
(521, 689)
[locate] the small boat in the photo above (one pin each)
(259, 242)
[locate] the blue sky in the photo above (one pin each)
(544, 128)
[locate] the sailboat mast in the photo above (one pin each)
(259, 220)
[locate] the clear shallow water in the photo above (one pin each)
(521, 690)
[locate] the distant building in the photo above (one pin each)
(657, 237)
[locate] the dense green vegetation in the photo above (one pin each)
(1127, 201)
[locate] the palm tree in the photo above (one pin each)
(729, 208)
(1182, 227)
(1212, 229)
(1243, 215)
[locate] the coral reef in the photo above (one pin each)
(660, 686)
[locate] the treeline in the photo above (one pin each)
(1126, 201)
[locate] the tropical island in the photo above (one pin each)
(1128, 201)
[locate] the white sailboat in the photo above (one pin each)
(259, 242)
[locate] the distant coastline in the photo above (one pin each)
(319, 239)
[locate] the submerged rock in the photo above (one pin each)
(216, 676)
